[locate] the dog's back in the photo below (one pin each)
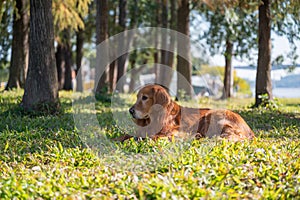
(211, 123)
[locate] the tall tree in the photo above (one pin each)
(164, 42)
(172, 42)
(283, 18)
(20, 46)
(84, 35)
(228, 75)
(237, 22)
(60, 65)
(101, 35)
(67, 19)
(1, 7)
(184, 66)
(156, 22)
(263, 74)
(122, 67)
(41, 84)
(64, 60)
(68, 60)
(79, 55)
(113, 29)
(167, 57)
(6, 23)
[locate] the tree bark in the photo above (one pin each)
(5, 39)
(112, 76)
(164, 54)
(132, 60)
(135, 72)
(68, 60)
(170, 55)
(228, 74)
(157, 23)
(79, 55)
(68, 70)
(60, 65)
(184, 66)
(263, 74)
(20, 46)
(122, 67)
(41, 88)
(1, 6)
(173, 23)
(101, 35)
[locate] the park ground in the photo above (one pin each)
(43, 157)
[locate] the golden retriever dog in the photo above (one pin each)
(157, 115)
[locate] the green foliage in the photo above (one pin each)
(241, 85)
(139, 15)
(267, 103)
(214, 71)
(44, 158)
(3, 75)
(285, 18)
(68, 13)
(286, 22)
(234, 21)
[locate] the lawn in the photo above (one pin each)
(47, 157)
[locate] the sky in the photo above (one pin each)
(280, 47)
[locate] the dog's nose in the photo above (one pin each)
(131, 111)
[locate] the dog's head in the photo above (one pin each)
(147, 97)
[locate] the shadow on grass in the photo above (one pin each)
(293, 104)
(22, 133)
(272, 123)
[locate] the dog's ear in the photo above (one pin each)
(161, 96)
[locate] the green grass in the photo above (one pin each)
(43, 157)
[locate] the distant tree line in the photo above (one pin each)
(45, 43)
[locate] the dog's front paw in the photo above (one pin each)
(122, 138)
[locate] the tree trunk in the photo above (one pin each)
(5, 39)
(157, 23)
(135, 72)
(60, 65)
(41, 88)
(263, 74)
(228, 75)
(19, 55)
(101, 35)
(112, 76)
(1, 13)
(122, 67)
(173, 24)
(164, 54)
(170, 55)
(132, 60)
(184, 66)
(68, 60)
(68, 69)
(79, 55)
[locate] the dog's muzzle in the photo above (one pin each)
(132, 112)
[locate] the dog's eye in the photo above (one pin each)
(144, 98)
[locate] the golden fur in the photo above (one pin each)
(157, 115)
